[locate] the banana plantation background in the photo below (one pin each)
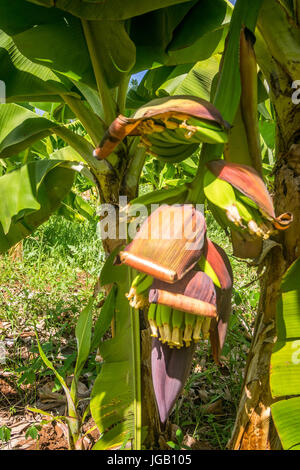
(120, 342)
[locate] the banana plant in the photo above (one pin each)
(79, 57)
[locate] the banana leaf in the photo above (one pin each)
(285, 361)
(74, 207)
(116, 395)
(25, 80)
(19, 128)
(38, 189)
(154, 33)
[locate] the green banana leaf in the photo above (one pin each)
(185, 79)
(83, 333)
(198, 81)
(285, 361)
(19, 128)
(103, 322)
(152, 41)
(116, 395)
(39, 35)
(203, 17)
(25, 80)
(227, 98)
(71, 404)
(74, 207)
(146, 90)
(38, 189)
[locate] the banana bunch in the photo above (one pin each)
(138, 293)
(182, 140)
(175, 327)
(171, 128)
(240, 200)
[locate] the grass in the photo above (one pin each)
(46, 288)
(50, 284)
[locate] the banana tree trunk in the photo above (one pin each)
(278, 55)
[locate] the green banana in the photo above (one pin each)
(189, 321)
(152, 320)
(177, 325)
(197, 329)
(205, 327)
(138, 279)
(166, 322)
(234, 209)
(205, 266)
(177, 328)
(159, 323)
(144, 285)
(137, 295)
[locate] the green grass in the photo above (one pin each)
(47, 288)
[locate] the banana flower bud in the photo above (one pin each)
(168, 244)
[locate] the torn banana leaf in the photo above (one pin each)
(171, 127)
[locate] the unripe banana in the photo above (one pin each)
(166, 321)
(144, 285)
(205, 327)
(207, 269)
(253, 220)
(159, 323)
(189, 321)
(152, 320)
(197, 329)
(141, 283)
(177, 328)
(138, 279)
